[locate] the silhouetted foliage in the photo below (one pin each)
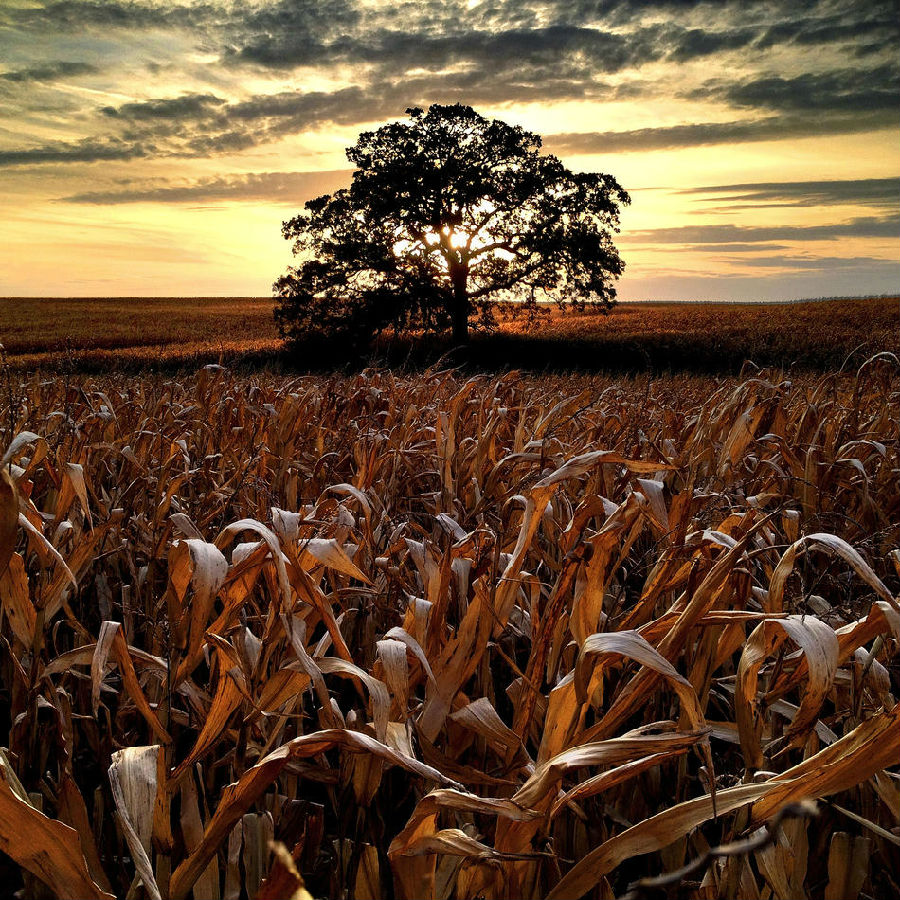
(448, 213)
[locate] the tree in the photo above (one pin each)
(446, 214)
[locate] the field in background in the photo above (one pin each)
(135, 330)
(99, 334)
(450, 637)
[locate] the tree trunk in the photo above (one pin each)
(460, 306)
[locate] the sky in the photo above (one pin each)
(154, 148)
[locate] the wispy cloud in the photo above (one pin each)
(864, 226)
(701, 134)
(817, 263)
(292, 188)
(85, 151)
(49, 72)
(183, 108)
(877, 192)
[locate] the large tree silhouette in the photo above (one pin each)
(447, 213)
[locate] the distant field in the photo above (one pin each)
(136, 332)
(36, 331)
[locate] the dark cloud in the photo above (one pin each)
(301, 107)
(377, 99)
(85, 151)
(491, 51)
(292, 29)
(198, 125)
(201, 125)
(188, 106)
(491, 47)
(275, 187)
(65, 15)
(49, 72)
(286, 32)
(874, 26)
(867, 226)
(516, 51)
(833, 103)
(878, 192)
(686, 45)
(608, 36)
(843, 90)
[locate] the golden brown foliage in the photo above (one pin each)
(438, 637)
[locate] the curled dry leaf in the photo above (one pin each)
(134, 783)
(15, 600)
(612, 752)
(820, 648)
(329, 552)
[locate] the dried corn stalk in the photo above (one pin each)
(428, 637)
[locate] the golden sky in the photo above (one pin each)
(152, 148)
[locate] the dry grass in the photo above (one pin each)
(496, 637)
(130, 334)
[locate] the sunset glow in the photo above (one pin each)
(154, 148)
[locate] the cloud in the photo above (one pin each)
(878, 192)
(846, 101)
(65, 15)
(292, 188)
(49, 72)
(85, 151)
(206, 125)
(295, 111)
(292, 32)
(203, 124)
(874, 23)
(516, 51)
(606, 37)
(752, 247)
(770, 128)
(284, 33)
(866, 226)
(491, 52)
(818, 262)
(686, 45)
(842, 90)
(188, 106)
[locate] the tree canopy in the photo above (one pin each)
(448, 213)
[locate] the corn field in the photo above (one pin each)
(380, 636)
